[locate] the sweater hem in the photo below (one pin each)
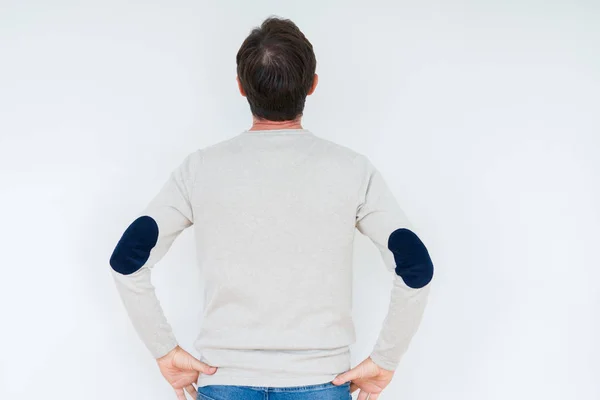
(264, 381)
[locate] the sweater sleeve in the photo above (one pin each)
(145, 241)
(380, 218)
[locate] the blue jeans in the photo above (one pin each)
(322, 391)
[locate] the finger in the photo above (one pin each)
(180, 394)
(204, 368)
(347, 376)
(191, 391)
(353, 387)
(374, 396)
(363, 395)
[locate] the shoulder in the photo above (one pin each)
(345, 154)
(338, 148)
(194, 159)
(361, 164)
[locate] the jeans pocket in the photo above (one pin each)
(202, 396)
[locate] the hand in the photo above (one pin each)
(367, 376)
(181, 370)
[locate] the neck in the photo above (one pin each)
(266, 125)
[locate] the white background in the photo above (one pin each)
(482, 115)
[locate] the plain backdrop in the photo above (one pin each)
(483, 117)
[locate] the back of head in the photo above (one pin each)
(276, 68)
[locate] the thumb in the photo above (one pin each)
(201, 367)
(346, 376)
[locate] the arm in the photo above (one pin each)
(380, 218)
(142, 245)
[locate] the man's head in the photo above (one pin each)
(276, 70)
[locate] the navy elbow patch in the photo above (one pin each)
(133, 249)
(413, 263)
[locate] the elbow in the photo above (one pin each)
(134, 247)
(413, 263)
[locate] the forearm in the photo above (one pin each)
(402, 321)
(145, 312)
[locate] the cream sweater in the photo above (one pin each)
(274, 215)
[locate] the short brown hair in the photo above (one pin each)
(276, 66)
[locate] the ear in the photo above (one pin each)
(314, 85)
(241, 89)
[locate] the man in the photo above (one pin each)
(274, 211)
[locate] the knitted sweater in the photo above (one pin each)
(274, 214)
